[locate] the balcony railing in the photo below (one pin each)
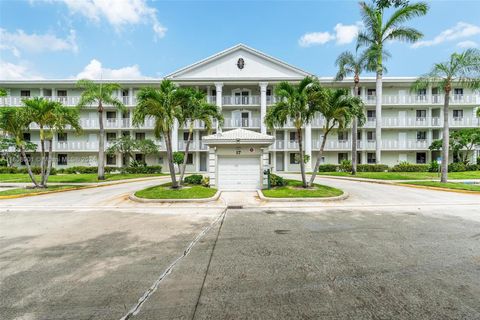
(422, 99)
(16, 101)
(241, 123)
(195, 145)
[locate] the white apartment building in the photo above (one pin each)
(241, 81)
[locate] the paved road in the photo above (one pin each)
(387, 252)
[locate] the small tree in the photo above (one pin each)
(128, 146)
(6, 146)
(460, 140)
(179, 158)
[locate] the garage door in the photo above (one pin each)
(238, 173)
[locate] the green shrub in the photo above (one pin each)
(86, 170)
(3, 163)
(8, 170)
(327, 168)
(372, 167)
(142, 170)
(478, 160)
(456, 167)
(410, 167)
(433, 167)
(277, 181)
(194, 179)
(472, 167)
(206, 181)
(345, 166)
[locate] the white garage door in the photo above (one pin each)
(238, 173)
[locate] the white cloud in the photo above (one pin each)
(118, 13)
(11, 71)
(460, 31)
(467, 44)
(95, 70)
(19, 41)
(342, 34)
(314, 38)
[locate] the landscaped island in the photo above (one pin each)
(284, 188)
(194, 187)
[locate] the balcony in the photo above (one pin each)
(370, 145)
(422, 99)
(16, 101)
(195, 145)
(253, 100)
(241, 123)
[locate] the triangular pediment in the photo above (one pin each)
(239, 63)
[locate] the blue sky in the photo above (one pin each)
(55, 39)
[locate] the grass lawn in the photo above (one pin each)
(73, 178)
(405, 175)
(294, 189)
(448, 185)
(188, 192)
(19, 191)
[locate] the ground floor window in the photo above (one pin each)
(342, 156)
(294, 157)
(29, 158)
(421, 135)
(140, 158)
(62, 159)
(421, 157)
(111, 159)
(111, 136)
(359, 157)
(190, 158)
(371, 159)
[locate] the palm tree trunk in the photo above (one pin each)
(378, 116)
(101, 144)
(185, 158)
(354, 137)
(42, 154)
(302, 163)
(446, 137)
(171, 167)
(319, 155)
(49, 163)
(29, 169)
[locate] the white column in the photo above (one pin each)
(308, 146)
(263, 106)
(197, 161)
(212, 163)
(285, 152)
(265, 166)
(54, 94)
(175, 136)
(429, 93)
(218, 89)
(41, 92)
(130, 96)
(274, 160)
(209, 94)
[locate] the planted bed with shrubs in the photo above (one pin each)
(194, 187)
(284, 188)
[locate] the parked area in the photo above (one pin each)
(89, 254)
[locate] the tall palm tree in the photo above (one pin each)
(350, 64)
(197, 108)
(164, 106)
(51, 117)
(14, 122)
(101, 94)
(463, 69)
(296, 103)
(338, 107)
(377, 31)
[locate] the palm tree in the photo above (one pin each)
(127, 146)
(463, 69)
(197, 108)
(14, 122)
(296, 103)
(51, 117)
(164, 106)
(375, 35)
(338, 108)
(350, 64)
(102, 94)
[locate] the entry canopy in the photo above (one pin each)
(238, 136)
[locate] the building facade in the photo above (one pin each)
(241, 81)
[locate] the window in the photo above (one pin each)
(62, 137)
(125, 133)
(25, 93)
(421, 135)
(342, 156)
(421, 157)
(458, 91)
(140, 136)
(269, 92)
(125, 93)
(359, 135)
(359, 157)
(293, 136)
(457, 114)
(371, 135)
(371, 158)
(294, 157)
(111, 136)
(185, 136)
(62, 159)
(26, 136)
(140, 158)
(160, 160)
(111, 115)
(421, 114)
(190, 158)
(214, 92)
(371, 92)
(342, 136)
(422, 92)
(371, 114)
(61, 93)
(29, 158)
(111, 159)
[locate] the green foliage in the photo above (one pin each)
(372, 168)
(456, 167)
(3, 162)
(178, 157)
(472, 167)
(206, 181)
(409, 167)
(345, 166)
(462, 142)
(194, 179)
(141, 169)
(3, 92)
(277, 181)
(128, 146)
(327, 168)
(306, 158)
(433, 167)
(84, 169)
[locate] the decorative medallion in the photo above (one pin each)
(240, 63)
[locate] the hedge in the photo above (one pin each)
(35, 170)
(142, 169)
(84, 169)
(277, 181)
(372, 167)
(410, 167)
(194, 179)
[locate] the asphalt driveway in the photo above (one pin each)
(365, 258)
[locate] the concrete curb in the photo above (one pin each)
(215, 197)
(437, 188)
(343, 196)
